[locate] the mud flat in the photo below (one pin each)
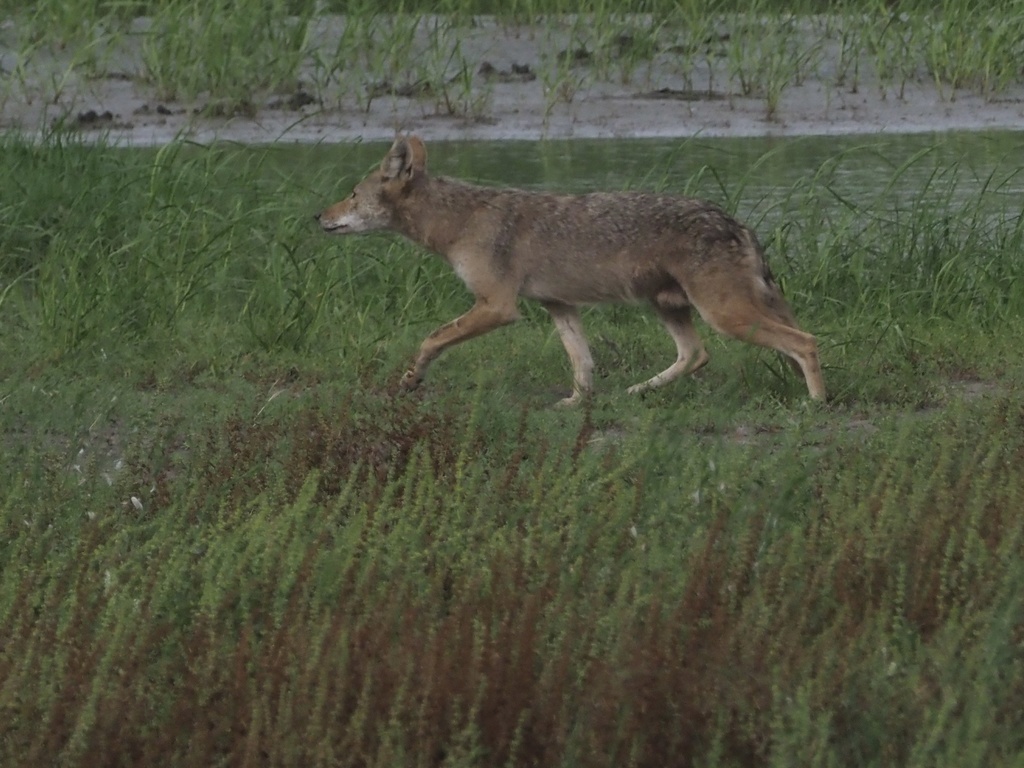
(495, 81)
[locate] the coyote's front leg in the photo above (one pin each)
(570, 330)
(483, 317)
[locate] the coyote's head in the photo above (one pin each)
(372, 204)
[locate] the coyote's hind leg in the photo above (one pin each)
(690, 352)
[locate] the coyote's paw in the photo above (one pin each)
(409, 381)
(574, 399)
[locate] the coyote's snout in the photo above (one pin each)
(677, 253)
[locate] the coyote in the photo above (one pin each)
(565, 251)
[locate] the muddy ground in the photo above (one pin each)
(512, 88)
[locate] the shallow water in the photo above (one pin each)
(750, 175)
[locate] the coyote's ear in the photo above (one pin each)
(406, 158)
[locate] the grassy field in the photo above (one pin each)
(227, 540)
(230, 58)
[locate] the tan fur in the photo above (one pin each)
(567, 250)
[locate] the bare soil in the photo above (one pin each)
(511, 70)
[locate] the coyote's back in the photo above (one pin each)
(675, 253)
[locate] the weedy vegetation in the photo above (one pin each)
(224, 58)
(227, 540)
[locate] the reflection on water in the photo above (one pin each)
(748, 175)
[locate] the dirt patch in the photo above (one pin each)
(685, 94)
(517, 82)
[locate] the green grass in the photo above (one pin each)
(234, 58)
(228, 540)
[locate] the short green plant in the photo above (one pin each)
(227, 59)
(388, 51)
(210, 49)
(563, 73)
(695, 42)
(965, 51)
(765, 56)
(894, 41)
(850, 32)
(448, 76)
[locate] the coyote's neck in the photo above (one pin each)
(437, 211)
